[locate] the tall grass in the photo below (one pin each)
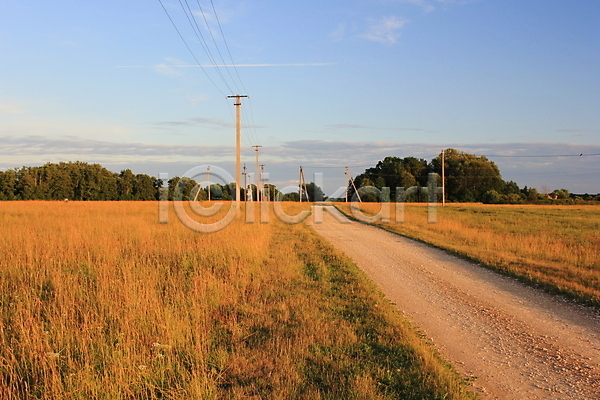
(555, 247)
(99, 301)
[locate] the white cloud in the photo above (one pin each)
(557, 165)
(10, 109)
(164, 69)
(339, 34)
(385, 30)
(198, 99)
(210, 122)
(170, 67)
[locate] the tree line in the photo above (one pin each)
(83, 181)
(468, 178)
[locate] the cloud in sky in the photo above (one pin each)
(344, 127)
(170, 67)
(339, 34)
(385, 30)
(557, 165)
(11, 109)
(198, 99)
(209, 122)
(34, 145)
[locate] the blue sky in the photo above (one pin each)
(331, 84)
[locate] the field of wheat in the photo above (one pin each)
(100, 301)
(555, 247)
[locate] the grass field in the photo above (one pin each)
(555, 247)
(100, 301)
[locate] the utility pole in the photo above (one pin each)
(443, 177)
(347, 183)
(245, 184)
(302, 186)
(238, 143)
(209, 183)
(353, 185)
(262, 174)
(256, 176)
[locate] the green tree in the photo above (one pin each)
(181, 188)
(314, 192)
(293, 196)
(145, 187)
(493, 197)
(271, 191)
(125, 185)
(392, 172)
(561, 194)
(58, 180)
(25, 188)
(468, 177)
(531, 195)
(8, 181)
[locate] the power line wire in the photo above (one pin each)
(200, 37)
(227, 46)
(249, 123)
(490, 155)
(215, 42)
(253, 122)
(544, 155)
(189, 49)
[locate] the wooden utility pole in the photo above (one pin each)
(238, 143)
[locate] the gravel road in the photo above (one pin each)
(515, 342)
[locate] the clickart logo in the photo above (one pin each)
(212, 174)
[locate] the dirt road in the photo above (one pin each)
(515, 341)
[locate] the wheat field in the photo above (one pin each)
(100, 301)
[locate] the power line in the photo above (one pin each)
(545, 155)
(189, 49)
(202, 41)
(250, 125)
(215, 43)
(338, 166)
(227, 46)
(248, 122)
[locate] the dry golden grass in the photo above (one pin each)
(556, 247)
(100, 301)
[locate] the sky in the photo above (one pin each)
(331, 84)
